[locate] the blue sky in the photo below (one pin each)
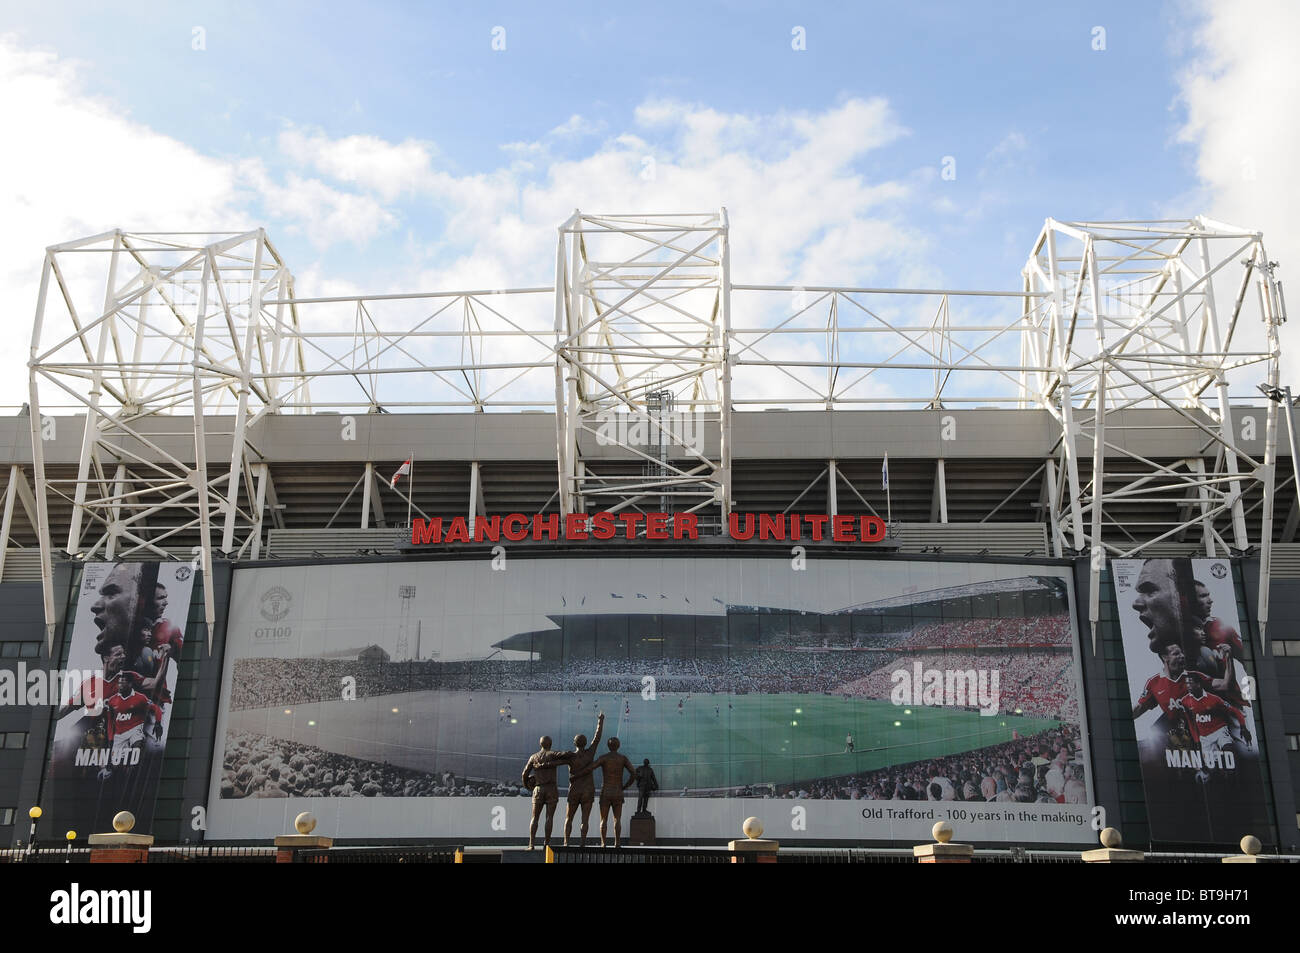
(395, 149)
(958, 81)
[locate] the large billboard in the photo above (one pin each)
(837, 699)
(128, 631)
(1192, 698)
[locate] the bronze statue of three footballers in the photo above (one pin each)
(539, 777)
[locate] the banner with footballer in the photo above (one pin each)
(1193, 710)
(111, 725)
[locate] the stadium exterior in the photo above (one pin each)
(188, 404)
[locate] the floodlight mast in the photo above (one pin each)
(642, 308)
(1134, 321)
(182, 332)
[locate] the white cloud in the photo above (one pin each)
(321, 213)
(801, 209)
(1010, 159)
(788, 181)
(79, 165)
(76, 166)
(1241, 94)
(385, 168)
(1012, 144)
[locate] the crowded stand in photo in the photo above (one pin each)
(1046, 768)
(1031, 655)
(257, 765)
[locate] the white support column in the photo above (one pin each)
(1069, 431)
(832, 491)
(115, 524)
(284, 288)
(1098, 557)
(11, 493)
(377, 502)
(366, 482)
(27, 499)
(199, 475)
(1293, 512)
(724, 379)
(561, 428)
(237, 442)
(263, 472)
(1051, 481)
(476, 508)
(1270, 450)
(1227, 432)
(939, 495)
(273, 502)
(1266, 518)
(92, 411)
(38, 458)
(1207, 524)
(573, 334)
(1031, 343)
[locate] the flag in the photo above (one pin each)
(403, 470)
(884, 474)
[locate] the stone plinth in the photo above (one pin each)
(943, 853)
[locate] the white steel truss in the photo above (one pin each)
(181, 333)
(636, 352)
(642, 327)
(1137, 315)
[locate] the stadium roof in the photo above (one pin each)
(993, 587)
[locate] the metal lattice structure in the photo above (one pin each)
(182, 333)
(1132, 319)
(642, 330)
(179, 349)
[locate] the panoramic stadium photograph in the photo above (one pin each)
(726, 433)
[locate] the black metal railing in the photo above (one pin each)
(377, 855)
(212, 855)
(45, 855)
(640, 855)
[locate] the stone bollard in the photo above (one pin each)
(753, 850)
(1111, 851)
(121, 846)
(287, 844)
(1250, 848)
(943, 852)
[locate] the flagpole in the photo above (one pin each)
(889, 501)
(410, 491)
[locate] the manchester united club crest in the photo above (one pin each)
(275, 603)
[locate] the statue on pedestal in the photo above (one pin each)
(646, 783)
